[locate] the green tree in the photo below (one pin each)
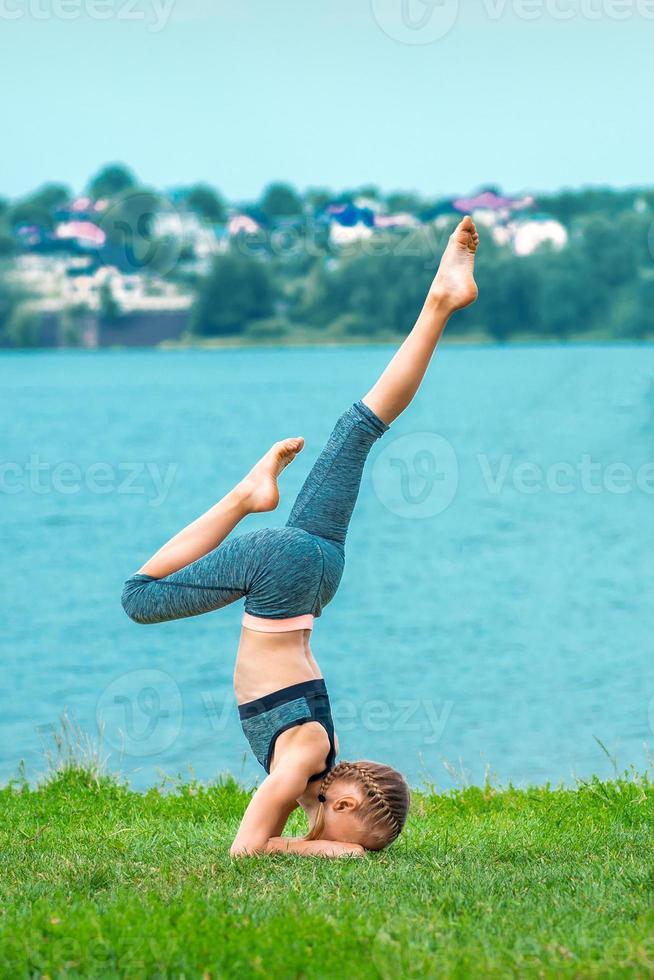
(71, 325)
(610, 256)
(280, 201)
(10, 298)
(633, 311)
(569, 301)
(22, 327)
(237, 291)
(7, 242)
(110, 310)
(508, 294)
(317, 198)
(404, 201)
(382, 291)
(38, 208)
(207, 203)
(111, 180)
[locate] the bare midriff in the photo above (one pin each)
(268, 662)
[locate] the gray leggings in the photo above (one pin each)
(281, 572)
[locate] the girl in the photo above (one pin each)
(287, 575)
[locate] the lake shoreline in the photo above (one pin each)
(531, 341)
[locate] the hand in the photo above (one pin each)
(314, 848)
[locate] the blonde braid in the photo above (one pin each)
(385, 804)
(379, 802)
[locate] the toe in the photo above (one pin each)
(464, 232)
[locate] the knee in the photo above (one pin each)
(133, 601)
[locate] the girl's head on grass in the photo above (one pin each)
(362, 803)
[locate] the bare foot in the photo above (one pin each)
(454, 286)
(259, 488)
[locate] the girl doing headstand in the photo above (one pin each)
(287, 575)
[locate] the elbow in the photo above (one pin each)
(241, 851)
(255, 846)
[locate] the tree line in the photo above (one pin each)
(599, 286)
(290, 282)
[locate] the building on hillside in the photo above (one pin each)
(540, 230)
(526, 236)
(489, 200)
(84, 234)
(72, 280)
(402, 222)
(81, 209)
(242, 224)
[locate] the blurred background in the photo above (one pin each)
(215, 221)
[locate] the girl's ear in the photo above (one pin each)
(345, 803)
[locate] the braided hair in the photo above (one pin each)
(383, 808)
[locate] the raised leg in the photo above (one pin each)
(453, 288)
(325, 503)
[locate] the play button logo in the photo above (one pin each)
(416, 21)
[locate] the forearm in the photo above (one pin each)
(313, 848)
(198, 538)
(267, 812)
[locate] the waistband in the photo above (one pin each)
(252, 708)
(263, 625)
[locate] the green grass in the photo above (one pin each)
(100, 881)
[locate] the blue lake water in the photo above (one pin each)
(496, 609)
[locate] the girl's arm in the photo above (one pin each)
(273, 802)
(271, 805)
(313, 848)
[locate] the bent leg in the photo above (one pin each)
(257, 492)
(212, 582)
(325, 503)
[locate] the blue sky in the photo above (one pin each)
(328, 93)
